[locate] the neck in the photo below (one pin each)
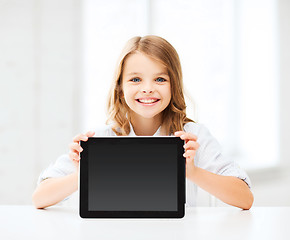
(144, 126)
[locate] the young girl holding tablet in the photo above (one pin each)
(146, 99)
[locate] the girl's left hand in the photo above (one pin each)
(191, 145)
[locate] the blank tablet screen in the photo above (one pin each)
(132, 179)
(132, 174)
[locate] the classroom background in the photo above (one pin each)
(57, 59)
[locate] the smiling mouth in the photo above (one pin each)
(148, 101)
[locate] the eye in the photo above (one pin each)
(135, 80)
(160, 79)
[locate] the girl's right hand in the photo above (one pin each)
(75, 147)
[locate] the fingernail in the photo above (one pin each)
(182, 136)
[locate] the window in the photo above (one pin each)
(229, 59)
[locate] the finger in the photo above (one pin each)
(188, 136)
(90, 133)
(189, 155)
(193, 145)
(76, 147)
(179, 133)
(73, 156)
(80, 137)
(74, 151)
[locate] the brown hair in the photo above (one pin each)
(174, 115)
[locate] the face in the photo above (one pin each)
(146, 86)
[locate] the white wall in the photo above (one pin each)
(284, 23)
(39, 73)
(271, 186)
(40, 77)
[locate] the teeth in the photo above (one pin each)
(147, 100)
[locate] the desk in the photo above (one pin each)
(26, 222)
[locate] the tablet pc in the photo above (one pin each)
(132, 177)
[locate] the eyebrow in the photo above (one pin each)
(136, 73)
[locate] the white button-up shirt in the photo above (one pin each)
(208, 156)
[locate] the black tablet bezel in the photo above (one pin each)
(83, 180)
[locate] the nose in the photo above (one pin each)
(147, 88)
(147, 91)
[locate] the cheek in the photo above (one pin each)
(128, 94)
(167, 94)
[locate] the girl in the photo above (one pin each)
(146, 98)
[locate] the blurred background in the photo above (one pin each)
(57, 59)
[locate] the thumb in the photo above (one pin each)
(90, 133)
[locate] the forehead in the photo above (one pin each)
(142, 63)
